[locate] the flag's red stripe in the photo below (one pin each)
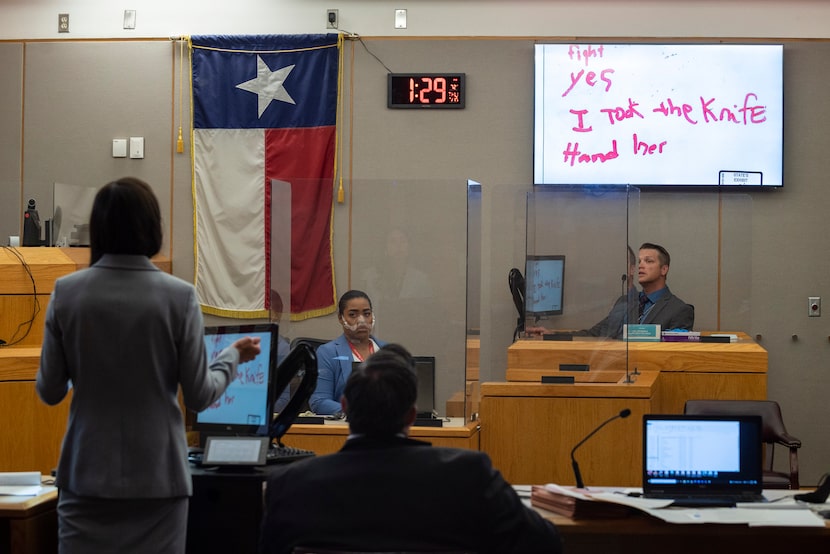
(305, 158)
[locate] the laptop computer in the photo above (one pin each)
(702, 460)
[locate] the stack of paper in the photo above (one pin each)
(576, 505)
(20, 483)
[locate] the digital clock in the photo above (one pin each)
(425, 90)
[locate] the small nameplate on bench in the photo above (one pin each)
(710, 338)
(557, 336)
(313, 420)
(558, 379)
(428, 422)
(574, 367)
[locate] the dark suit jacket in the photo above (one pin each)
(400, 494)
(612, 325)
(670, 312)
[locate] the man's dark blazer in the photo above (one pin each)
(400, 494)
(612, 325)
(670, 312)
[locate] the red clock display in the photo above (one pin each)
(426, 90)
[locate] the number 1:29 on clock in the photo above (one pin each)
(426, 90)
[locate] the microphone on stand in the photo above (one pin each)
(624, 279)
(579, 484)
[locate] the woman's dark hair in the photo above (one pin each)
(350, 295)
(125, 219)
(380, 392)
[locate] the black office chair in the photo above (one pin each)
(313, 343)
(773, 433)
(298, 371)
(516, 282)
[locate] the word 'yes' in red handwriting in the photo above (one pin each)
(590, 79)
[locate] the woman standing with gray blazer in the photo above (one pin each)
(124, 336)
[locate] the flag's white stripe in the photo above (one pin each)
(230, 222)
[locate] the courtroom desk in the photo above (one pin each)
(81, 258)
(330, 437)
(641, 534)
(464, 403)
(226, 509)
(32, 431)
(691, 370)
(473, 358)
(17, 287)
(29, 524)
(529, 429)
(24, 296)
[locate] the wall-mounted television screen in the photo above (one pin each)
(544, 285)
(663, 115)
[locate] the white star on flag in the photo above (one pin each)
(268, 85)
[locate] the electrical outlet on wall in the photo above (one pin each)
(332, 19)
(63, 22)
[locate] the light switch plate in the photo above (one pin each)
(129, 19)
(400, 19)
(136, 147)
(119, 148)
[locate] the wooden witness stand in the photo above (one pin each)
(33, 431)
(529, 428)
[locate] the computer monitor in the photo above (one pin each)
(544, 285)
(425, 369)
(245, 408)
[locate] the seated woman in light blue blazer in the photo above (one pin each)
(335, 358)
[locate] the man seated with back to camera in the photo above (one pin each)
(384, 491)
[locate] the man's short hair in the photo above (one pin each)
(381, 392)
(662, 253)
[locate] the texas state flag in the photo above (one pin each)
(264, 107)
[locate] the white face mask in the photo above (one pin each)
(361, 320)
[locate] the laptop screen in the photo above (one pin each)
(706, 454)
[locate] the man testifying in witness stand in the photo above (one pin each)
(386, 492)
(657, 304)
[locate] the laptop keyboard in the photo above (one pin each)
(697, 501)
(275, 455)
(283, 454)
